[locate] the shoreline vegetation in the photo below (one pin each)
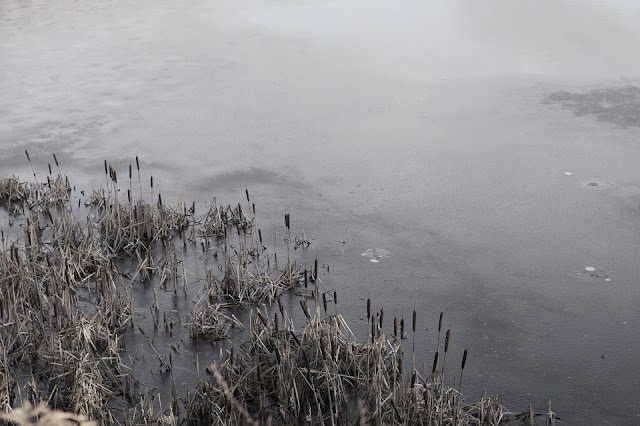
(66, 307)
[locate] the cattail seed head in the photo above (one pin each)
(335, 297)
(305, 308)
(446, 342)
(324, 302)
(27, 153)
(56, 160)
(395, 327)
(315, 270)
(368, 309)
(440, 322)
(105, 168)
(464, 358)
(247, 192)
(435, 363)
(137, 163)
(414, 321)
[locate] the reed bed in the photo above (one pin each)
(321, 374)
(66, 307)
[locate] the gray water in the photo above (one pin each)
(440, 131)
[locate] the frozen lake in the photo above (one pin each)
(486, 154)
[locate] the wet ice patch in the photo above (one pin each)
(595, 184)
(590, 268)
(376, 254)
(616, 105)
(568, 173)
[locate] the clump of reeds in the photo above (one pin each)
(14, 191)
(65, 307)
(211, 321)
(323, 374)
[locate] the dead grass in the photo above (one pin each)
(65, 306)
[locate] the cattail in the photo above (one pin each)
(253, 207)
(315, 271)
(324, 302)
(305, 308)
(27, 152)
(395, 327)
(440, 322)
(446, 341)
(381, 317)
(335, 297)
(275, 322)
(49, 168)
(464, 358)
(435, 363)
(280, 307)
(286, 220)
(137, 163)
(129, 195)
(130, 172)
(151, 182)
(402, 328)
(368, 309)
(56, 160)
(414, 321)
(260, 235)
(247, 192)
(105, 168)
(262, 319)
(305, 279)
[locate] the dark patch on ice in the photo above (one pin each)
(595, 184)
(619, 106)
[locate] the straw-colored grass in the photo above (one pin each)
(66, 304)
